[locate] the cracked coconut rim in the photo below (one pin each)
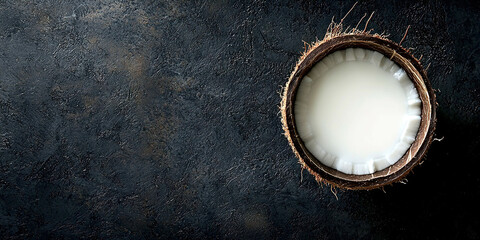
(414, 135)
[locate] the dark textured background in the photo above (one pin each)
(159, 119)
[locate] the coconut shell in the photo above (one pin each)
(402, 58)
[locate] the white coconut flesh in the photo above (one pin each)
(357, 111)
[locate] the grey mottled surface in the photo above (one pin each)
(159, 119)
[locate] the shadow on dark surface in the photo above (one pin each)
(438, 199)
(125, 119)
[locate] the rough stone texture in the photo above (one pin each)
(159, 119)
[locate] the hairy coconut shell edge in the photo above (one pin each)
(402, 57)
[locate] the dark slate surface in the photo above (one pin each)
(159, 119)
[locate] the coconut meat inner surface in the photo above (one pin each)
(357, 111)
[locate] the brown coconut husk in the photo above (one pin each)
(338, 39)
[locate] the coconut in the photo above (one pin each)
(336, 40)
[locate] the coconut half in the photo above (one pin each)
(358, 111)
